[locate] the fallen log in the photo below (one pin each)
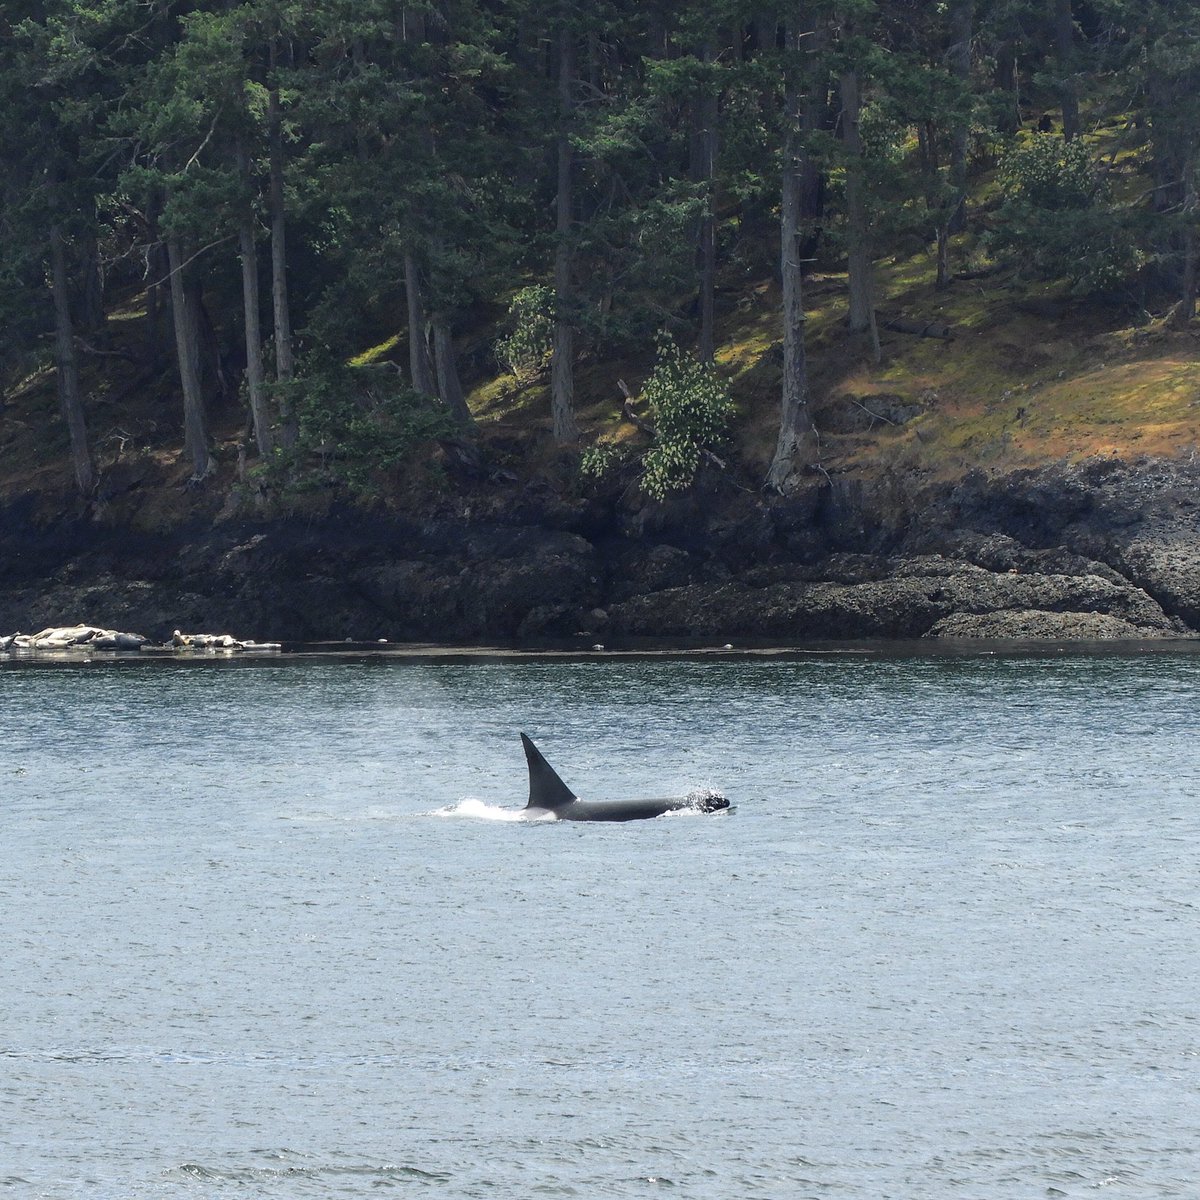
(929, 329)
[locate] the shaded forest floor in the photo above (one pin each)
(1030, 376)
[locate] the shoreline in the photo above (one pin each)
(428, 652)
(1069, 553)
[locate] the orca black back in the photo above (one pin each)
(548, 793)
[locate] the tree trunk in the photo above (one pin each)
(795, 447)
(285, 363)
(69, 393)
(285, 366)
(858, 251)
(255, 376)
(215, 379)
(1186, 308)
(1064, 43)
(765, 31)
(252, 324)
(412, 25)
(187, 349)
(1065, 49)
(1008, 83)
(418, 349)
(1167, 162)
(817, 114)
(91, 309)
(449, 386)
(562, 370)
(958, 59)
(157, 274)
(940, 208)
(157, 299)
(943, 256)
(704, 172)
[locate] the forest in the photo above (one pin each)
(325, 236)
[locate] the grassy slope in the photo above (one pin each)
(1027, 379)
(1030, 377)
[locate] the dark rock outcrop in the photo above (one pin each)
(915, 597)
(1034, 624)
(1093, 550)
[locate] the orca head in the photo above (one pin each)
(546, 790)
(708, 801)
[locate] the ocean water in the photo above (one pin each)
(272, 929)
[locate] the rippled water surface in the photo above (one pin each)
(267, 934)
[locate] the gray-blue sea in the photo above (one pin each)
(270, 929)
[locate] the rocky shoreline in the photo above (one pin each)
(1098, 550)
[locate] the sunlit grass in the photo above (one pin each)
(375, 353)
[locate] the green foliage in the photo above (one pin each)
(691, 408)
(1048, 172)
(356, 424)
(417, 144)
(1057, 220)
(638, 260)
(601, 460)
(525, 350)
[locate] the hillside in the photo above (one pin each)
(1032, 395)
(326, 328)
(1027, 378)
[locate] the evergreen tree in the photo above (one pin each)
(802, 66)
(308, 180)
(55, 86)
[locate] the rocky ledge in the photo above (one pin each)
(1098, 550)
(925, 596)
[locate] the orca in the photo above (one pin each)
(548, 794)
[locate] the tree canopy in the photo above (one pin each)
(275, 187)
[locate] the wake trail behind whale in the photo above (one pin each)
(481, 810)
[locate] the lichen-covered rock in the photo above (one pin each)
(1037, 625)
(908, 603)
(1102, 548)
(1169, 568)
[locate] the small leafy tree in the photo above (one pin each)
(1049, 173)
(1057, 220)
(691, 408)
(525, 350)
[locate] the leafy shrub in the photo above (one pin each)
(1049, 172)
(357, 423)
(1057, 220)
(525, 350)
(691, 409)
(600, 460)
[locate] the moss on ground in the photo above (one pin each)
(1032, 375)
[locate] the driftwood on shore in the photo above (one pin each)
(88, 638)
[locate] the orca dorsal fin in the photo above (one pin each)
(546, 790)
